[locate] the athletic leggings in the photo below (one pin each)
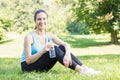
(45, 63)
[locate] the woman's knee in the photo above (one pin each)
(62, 48)
(59, 51)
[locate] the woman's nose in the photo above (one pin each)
(42, 20)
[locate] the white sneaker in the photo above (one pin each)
(89, 71)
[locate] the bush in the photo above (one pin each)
(77, 27)
(2, 31)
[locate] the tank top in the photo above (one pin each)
(35, 47)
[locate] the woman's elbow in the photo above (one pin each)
(28, 61)
(66, 44)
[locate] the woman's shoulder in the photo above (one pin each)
(50, 34)
(28, 35)
(28, 38)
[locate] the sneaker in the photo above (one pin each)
(90, 71)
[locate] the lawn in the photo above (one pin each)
(108, 63)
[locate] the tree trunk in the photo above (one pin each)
(114, 39)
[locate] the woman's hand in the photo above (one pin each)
(48, 46)
(67, 61)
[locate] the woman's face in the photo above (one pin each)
(41, 21)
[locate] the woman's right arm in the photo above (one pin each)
(28, 40)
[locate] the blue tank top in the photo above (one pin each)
(35, 47)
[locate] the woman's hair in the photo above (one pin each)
(37, 12)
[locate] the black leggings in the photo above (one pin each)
(45, 63)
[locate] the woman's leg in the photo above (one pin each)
(72, 56)
(44, 63)
(60, 52)
(76, 64)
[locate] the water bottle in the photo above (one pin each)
(52, 51)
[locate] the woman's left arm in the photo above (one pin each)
(67, 58)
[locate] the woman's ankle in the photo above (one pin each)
(79, 68)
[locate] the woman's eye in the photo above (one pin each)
(39, 18)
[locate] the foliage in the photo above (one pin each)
(56, 21)
(100, 17)
(82, 12)
(5, 22)
(109, 13)
(77, 27)
(77, 16)
(18, 14)
(2, 34)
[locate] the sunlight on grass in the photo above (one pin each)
(92, 50)
(81, 45)
(108, 64)
(82, 41)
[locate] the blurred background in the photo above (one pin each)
(91, 27)
(82, 23)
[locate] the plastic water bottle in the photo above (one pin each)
(52, 51)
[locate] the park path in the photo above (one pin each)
(100, 50)
(14, 48)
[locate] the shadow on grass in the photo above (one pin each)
(5, 41)
(83, 42)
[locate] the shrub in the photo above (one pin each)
(77, 27)
(2, 32)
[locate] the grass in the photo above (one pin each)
(83, 41)
(108, 63)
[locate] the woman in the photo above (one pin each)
(37, 46)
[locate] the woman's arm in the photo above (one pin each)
(61, 42)
(67, 58)
(28, 40)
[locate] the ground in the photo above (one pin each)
(14, 48)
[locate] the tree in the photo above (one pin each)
(109, 11)
(100, 16)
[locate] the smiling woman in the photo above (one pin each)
(41, 18)
(38, 45)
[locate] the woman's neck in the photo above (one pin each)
(40, 32)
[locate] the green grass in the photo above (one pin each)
(109, 65)
(83, 41)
